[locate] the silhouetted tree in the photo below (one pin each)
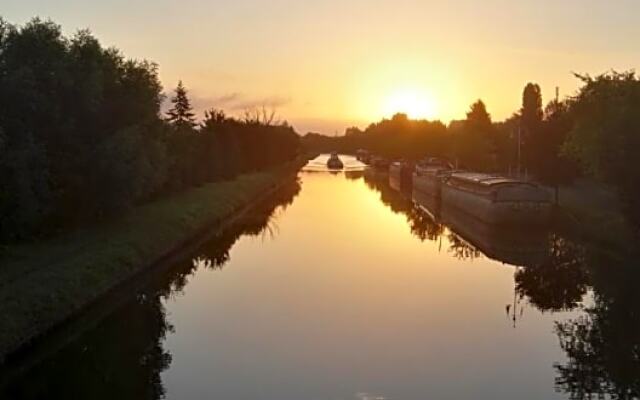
(551, 165)
(81, 135)
(531, 127)
(531, 112)
(476, 140)
(606, 134)
(181, 114)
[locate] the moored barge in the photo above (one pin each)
(497, 199)
(428, 175)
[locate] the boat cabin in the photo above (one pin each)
(498, 188)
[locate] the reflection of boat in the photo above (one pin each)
(428, 175)
(354, 174)
(496, 199)
(521, 247)
(379, 163)
(400, 175)
(426, 203)
(334, 162)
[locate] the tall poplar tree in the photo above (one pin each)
(531, 116)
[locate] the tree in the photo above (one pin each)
(478, 118)
(476, 140)
(531, 112)
(24, 190)
(181, 115)
(552, 166)
(531, 126)
(81, 134)
(74, 114)
(606, 134)
(213, 150)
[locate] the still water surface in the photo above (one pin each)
(341, 287)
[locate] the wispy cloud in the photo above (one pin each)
(239, 102)
(232, 103)
(227, 98)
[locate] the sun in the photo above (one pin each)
(414, 103)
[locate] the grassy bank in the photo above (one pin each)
(42, 285)
(592, 210)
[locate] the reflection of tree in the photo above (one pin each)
(260, 221)
(392, 198)
(122, 356)
(422, 226)
(603, 345)
(559, 282)
(461, 249)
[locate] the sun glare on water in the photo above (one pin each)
(414, 103)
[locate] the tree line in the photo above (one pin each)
(82, 135)
(595, 132)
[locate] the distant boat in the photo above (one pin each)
(363, 156)
(334, 162)
(380, 163)
(496, 199)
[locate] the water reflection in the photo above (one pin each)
(423, 225)
(553, 273)
(120, 358)
(123, 356)
(603, 344)
(369, 292)
(557, 282)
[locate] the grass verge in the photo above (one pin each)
(594, 212)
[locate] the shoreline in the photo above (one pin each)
(62, 294)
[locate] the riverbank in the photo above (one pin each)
(45, 284)
(593, 211)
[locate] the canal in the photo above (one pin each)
(342, 287)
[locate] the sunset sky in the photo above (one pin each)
(329, 64)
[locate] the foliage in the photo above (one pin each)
(398, 137)
(547, 160)
(531, 126)
(82, 137)
(531, 113)
(181, 115)
(476, 140)
(606, 133)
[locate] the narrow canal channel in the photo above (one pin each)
(339, 287)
